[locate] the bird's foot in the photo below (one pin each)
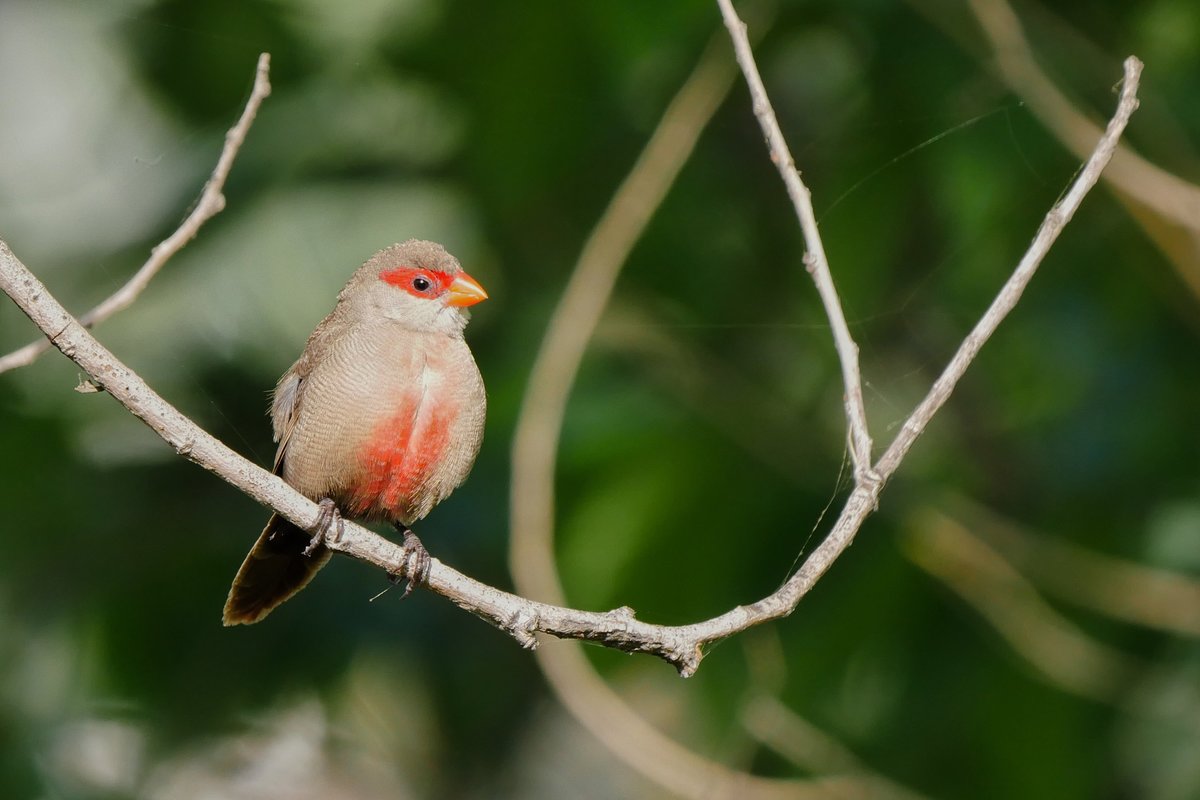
(417, 563)
(329, 520)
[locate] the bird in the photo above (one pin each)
(380, 418)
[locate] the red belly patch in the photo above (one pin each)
(400, 457)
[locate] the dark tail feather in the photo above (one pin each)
(275, 569)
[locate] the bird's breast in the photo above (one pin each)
(423, 446)
(388, 424)
(400, 459)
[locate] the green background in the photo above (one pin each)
(705, 434)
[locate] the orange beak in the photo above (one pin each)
(465, 291)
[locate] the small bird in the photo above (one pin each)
(380, 418)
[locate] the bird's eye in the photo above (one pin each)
(421, 283)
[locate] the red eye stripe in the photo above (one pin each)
(406, 278)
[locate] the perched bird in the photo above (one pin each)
(380, 418)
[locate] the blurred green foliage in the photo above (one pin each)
(704, 437)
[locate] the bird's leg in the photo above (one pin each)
(417, 562)
(328, 519)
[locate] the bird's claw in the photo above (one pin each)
(328, 518)
(417, 563)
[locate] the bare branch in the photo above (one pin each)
(211, 202)
(814, 259)
(681, 645)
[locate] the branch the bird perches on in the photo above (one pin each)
(682, 646)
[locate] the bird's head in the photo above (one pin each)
(415, 283)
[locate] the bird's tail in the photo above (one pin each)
(274, 570)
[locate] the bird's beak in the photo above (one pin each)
(465, 291)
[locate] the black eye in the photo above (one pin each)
(421, 283)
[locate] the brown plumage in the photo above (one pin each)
(382, 413)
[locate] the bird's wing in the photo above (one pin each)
(289, 392)
(284, 410)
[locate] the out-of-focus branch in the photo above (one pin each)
(787, 733)
(1124, 590)
(770, 723)
(1146, 186)
(1043, 637)
(1167, 194)
(211, 203)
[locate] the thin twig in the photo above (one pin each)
(814, 259)
(211, 203)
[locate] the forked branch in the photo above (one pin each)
(682, 646)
